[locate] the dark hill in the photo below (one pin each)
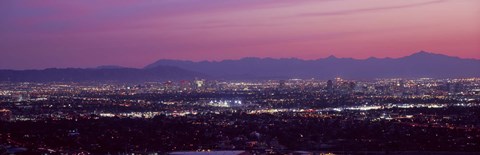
(159, 73)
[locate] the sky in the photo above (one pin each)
(132, 33)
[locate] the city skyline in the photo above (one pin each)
(84, 34)
(336, 116)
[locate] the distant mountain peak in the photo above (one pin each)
(427, 55)
(331, 57)
(424, 52)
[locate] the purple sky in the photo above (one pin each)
(89, 33)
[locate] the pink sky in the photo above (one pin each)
(89, 33)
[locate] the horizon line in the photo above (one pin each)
(247, 57)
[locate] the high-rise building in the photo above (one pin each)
(281, 84)
(198, 84)
(330, 86)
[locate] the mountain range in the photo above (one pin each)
(420, 64)
(113, 74)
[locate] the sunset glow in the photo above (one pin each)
(53, 33)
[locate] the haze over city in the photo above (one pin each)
(46, 34)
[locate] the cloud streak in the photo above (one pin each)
(365, 10)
